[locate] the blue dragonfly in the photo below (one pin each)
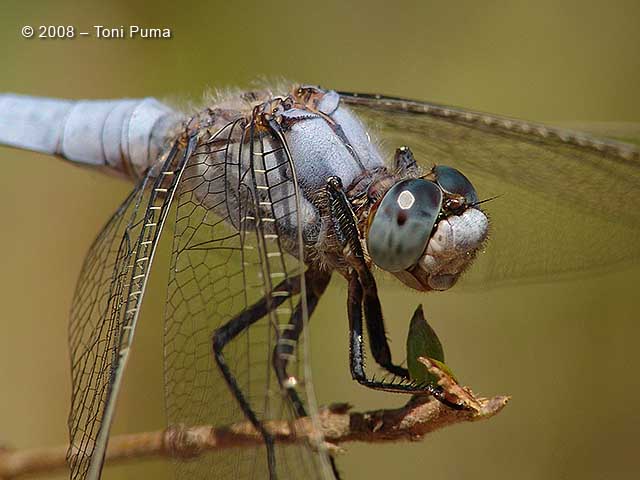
(266, 195)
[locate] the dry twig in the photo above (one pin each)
(338, 425)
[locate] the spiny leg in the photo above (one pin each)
(378, 341)
(347, 232)
(354, 311)
(227, 332)
(356, 353)
(356, 344)
(316, 282)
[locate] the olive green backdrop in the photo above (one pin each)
(566, 351)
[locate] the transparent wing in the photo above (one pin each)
(105, 310)
(235, 240)
(569, 202)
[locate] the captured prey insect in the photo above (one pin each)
(267, 194)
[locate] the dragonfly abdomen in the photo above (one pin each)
(125, 136)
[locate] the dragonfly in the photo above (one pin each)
(267, 195)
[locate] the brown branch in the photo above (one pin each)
(337, 424)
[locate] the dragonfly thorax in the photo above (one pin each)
(326, 139)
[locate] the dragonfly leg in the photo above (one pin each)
(356, 348)
(227, 332)
(356, 353)
(316, 282)
(378, 341)
(347, 229)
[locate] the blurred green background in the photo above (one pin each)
(566, 351)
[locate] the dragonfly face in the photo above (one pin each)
(426, 231)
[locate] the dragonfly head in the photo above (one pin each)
(427, 231)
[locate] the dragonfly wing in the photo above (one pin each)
(569, 202)
(105, 310)
(626, 132)
(237, 212)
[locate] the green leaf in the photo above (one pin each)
(422, 341)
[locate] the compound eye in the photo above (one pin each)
(402, 224)
(453, 181)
